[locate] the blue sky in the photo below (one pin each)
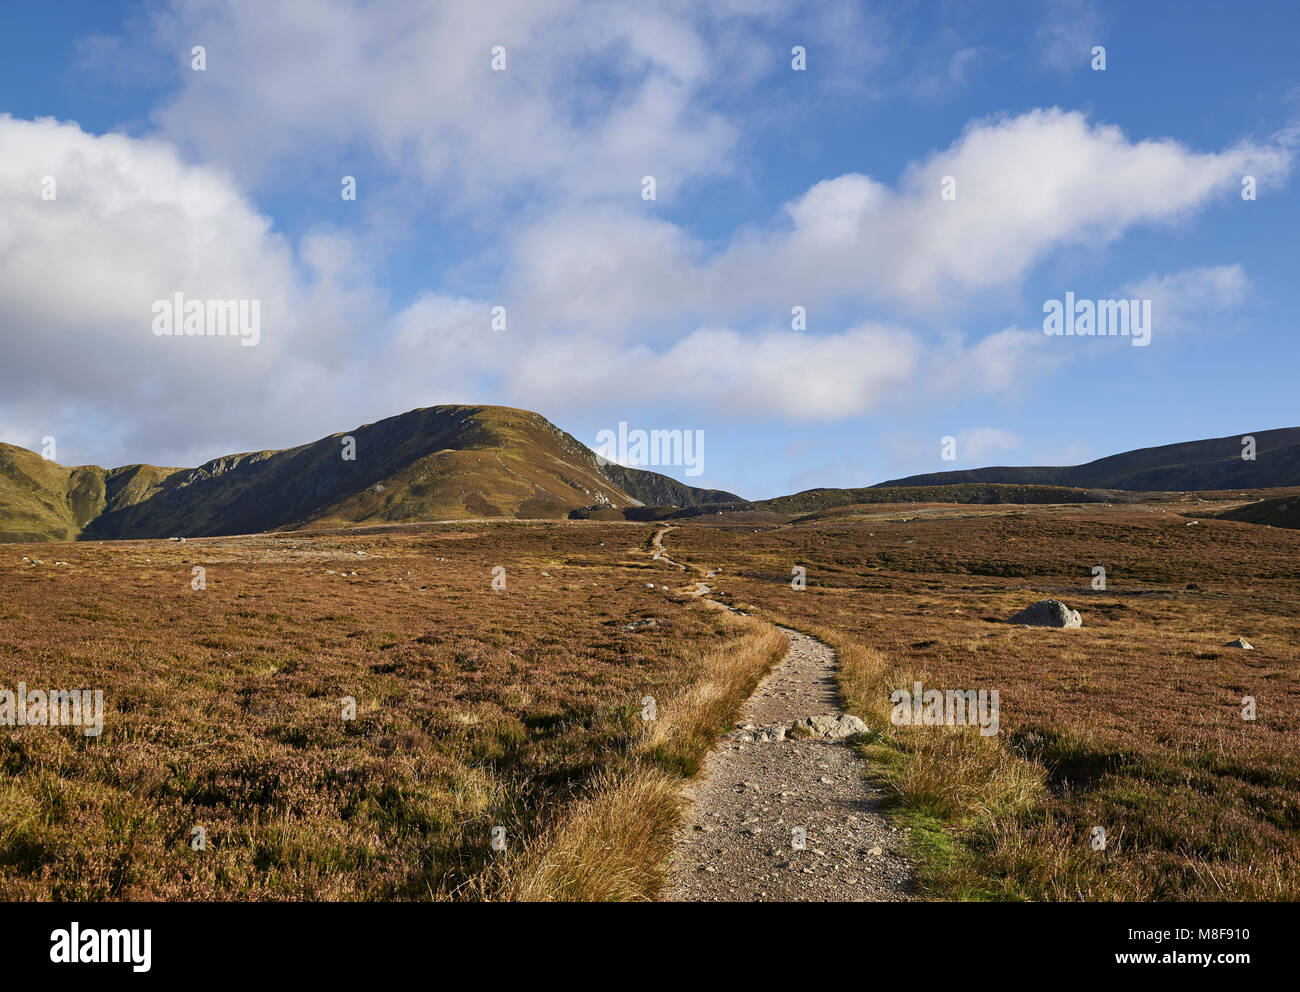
(776, 188)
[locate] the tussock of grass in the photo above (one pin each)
(724, 679)
(608, 846)
(944, 782)
(613, 843)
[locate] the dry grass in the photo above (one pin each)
(613, 844)
(609, 846)
(475, 708)
(1132, 723)
(522, 709)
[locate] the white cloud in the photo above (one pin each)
(131, 224)
(774, 376)
(607, 305)
(1067, 33)
(1191, 298)
(1004, 361)
(1026, 186)
(979, 444)
(593, 97)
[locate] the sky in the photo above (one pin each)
(843, 265)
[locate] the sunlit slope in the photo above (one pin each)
(443, 462)
(43, 501)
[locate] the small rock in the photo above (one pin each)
(832, 726)
(1241, 642)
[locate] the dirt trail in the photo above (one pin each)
(738, 842)
(660, 552)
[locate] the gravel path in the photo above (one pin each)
(737, 843)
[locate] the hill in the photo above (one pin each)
(817, 501)
(435, 463)
(1211, 464)
(1280, 511)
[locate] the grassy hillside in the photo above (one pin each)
(822, 501)
(43, 501)
(815, 500)
(436, 463)
(1281, 511)
(1191, 465)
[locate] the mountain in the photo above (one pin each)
(1280, 511)
(653, 489)
(435, 463)
(1212, 464)
(813, 503)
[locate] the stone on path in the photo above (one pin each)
(831, 726)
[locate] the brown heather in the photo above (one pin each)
(522, 708)
(1132, 723)
(475, 708)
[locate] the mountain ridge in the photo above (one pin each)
(1185, 466)
(440, 462)
(479, 461)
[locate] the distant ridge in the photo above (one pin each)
(467, 462)
(1187, 466)
(434, 463)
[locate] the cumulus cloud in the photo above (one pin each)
(130, 223)
(1003, 361)
(609, 300)
(592, 98)
(771, 376)
(1026, 186)
(598, 297)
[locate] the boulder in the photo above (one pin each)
(1048, 613)
(1242, 643)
